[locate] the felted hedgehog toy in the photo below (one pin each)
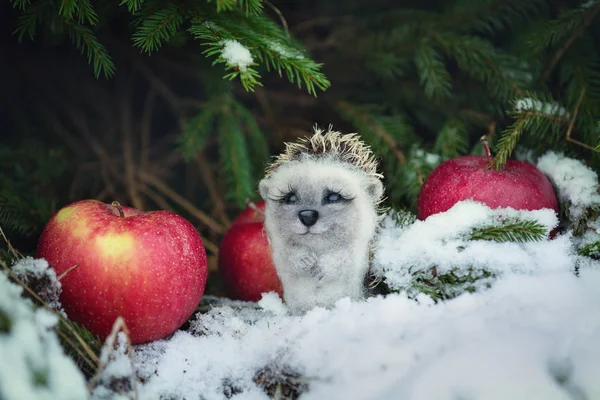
(322, 201)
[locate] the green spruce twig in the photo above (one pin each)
(517, 231)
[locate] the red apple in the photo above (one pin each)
(245, 258)
(519, 185)
(148, 267)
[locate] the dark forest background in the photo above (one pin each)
(422, 81)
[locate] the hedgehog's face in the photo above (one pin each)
(310, 199)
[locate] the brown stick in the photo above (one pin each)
(561, 51)
(572, 124)
(211, 186)
(126, 129)
(377, 129)
(164, 205)
(183, 202)
(145, 128)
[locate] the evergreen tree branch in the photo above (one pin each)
(263, 40)
(133, 6)
(85, 40)
(365, 122)
(451, 141)
(490, 15)
(235, 158)
(82, 9)
(434, 77)
(538, 115)
(591, 14)
(157, 26)
(591, 250)
(503, 74)
(517, 231)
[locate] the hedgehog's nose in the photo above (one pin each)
(308, 217)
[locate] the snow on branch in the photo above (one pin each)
(33, 364)
(236, 55)
(546, 108)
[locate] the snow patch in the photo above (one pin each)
(285, 51)
(512, 341)
(442, 240)
(529, 104)
(236, 55)
(41, 278)
(576, 183)
(33, 364)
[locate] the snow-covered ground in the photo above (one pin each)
(531, 330)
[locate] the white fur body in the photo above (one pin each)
(322, 263)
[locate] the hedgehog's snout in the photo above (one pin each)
(308, 217)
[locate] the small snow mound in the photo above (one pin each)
(41, 278)
(33, 364)
(236, 55)
(442, 241)
(117, 379)
(272, 302)
(529, 104)
(576, 183)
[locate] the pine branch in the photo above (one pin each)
(20, 4)
(434, 77)
(402, 218)
(263, 40)
(252, 7)
(82, 9)
(490, 15)
(234, 157)
(85, 40)
(504, 75)
(133, 6)
(193, 139)
(374, 129)
(451, 141)
(579, 26)
(580, 72)
(157, 26)
(537, 114)
(591, 250)
(31, 15)
(256, 139)
(517, 231)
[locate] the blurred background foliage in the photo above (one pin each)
(134, 101)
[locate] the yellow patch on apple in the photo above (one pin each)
(64, 214)
(116, 247)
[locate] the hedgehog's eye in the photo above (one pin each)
(290, 198)
(332, 197)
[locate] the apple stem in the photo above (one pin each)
(486, 147)
(253, 206)
(66, 272)
(117, 205)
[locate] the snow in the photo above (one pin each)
(116, 379)
(236, 55)
(285, 51)
(37, 275)
(576, 183)
(588, 3)
(442, 240)
(513, 341)
(33, 365)
(529, 330)
(529, 104)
